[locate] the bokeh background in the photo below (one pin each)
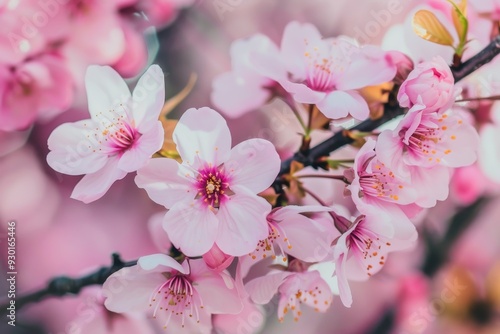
(450, 283)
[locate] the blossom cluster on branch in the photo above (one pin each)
(239, 231)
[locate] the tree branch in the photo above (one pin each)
(61, 286)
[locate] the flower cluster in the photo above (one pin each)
(240, 204)
(45, 46)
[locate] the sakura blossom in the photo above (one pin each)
(245, 88)
(294, 288)
(430, 84)
(171, 292)
(362, 249)
(327, 72)
(120, 137)
(275, 161)
(211, 195)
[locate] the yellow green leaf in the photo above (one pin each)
(427, 26)
(460, 22)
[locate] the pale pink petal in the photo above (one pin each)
(262, 289)
(152, 261)
(339, 104)
(202, 134)
(296, 37)
(93, 186)
(436, 178)
(253, 164)
(371, 66)
(72, 151)
(389, 150)
(311, 244)
(135, 57)
(340, 255)
(105, 89)
(251, 318)
(164, 183)
(242, 223)
(157, 233)
(301, 93)
(218, 298)
(148, 99)
(191, 227)
(143, 149)
(235, 94)
(138, 284)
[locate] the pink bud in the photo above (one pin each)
(431, 84)
(217, 259)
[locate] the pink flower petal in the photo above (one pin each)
(242, 223)
(148, 98)
(253, 164)
(72, 152)
(191, 227)
(152, 261)
(217, 297)
(202, 134)
(139, 286)
(105, 89)
(339, 104)
(93, 186)
(262, 289)
(163, 183)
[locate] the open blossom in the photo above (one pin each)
(362, 249)
(211, 196)
(39, 88)
(120, 137)
(287, 234)
(294, 288)
(374, 183)
(175, 294)
(431, 84)
(327, 72)
(422, 148)
(245, 88)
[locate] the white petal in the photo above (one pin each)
(242, 223)
(148, 98)
(152, 261)
(93, 186)
(191, 227)
(105, 89)
(202, 134)
(164, 183)
(262, 289)
(72, 151)
(253, 164)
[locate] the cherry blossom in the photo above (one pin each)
(327, 72)
(362, 249)
(294, 288)
(245, 88)
(373, 183)
(183, 294)
(35, 89)
(120, 137)
(424, 145)
(211, 195)
(287, 234)
(431, 84)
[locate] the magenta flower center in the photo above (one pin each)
(176, 297)
(212, 185)
(114, 135)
